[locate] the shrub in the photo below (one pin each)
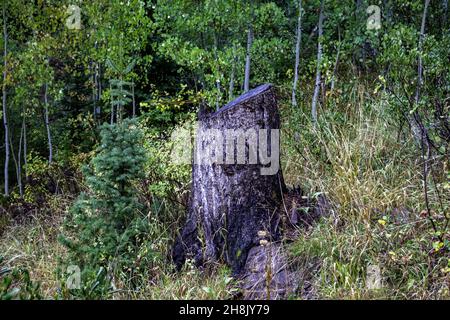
(15, 283)
(106, 222)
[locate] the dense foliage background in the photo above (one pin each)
(93, 90)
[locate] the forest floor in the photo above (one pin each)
(372, 177)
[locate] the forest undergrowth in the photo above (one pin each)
(356, 155)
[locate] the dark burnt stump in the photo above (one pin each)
(237, 183)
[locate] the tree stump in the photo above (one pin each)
(237, 184)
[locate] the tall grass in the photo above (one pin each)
(354, 155)
(373, 179)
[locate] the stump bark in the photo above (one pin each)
(267, 275)
(235, 199)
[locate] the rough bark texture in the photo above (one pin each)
(267, 275)
(231, 203)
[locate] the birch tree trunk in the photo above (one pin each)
(47, 126)
(25, 147)
(112, 105)
(319, 60)
(134, 99)
(216, 49)
(248, 56)
(5, 114)
(94, 90)
(97, 90)
(99, 83)
(19, 157)
(248, 60)
(297, 53)
(14, 159)
(233, 71)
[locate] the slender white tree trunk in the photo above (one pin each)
(5, 118)
(19, 164)
(120, 105)
(297, 53)
(95, 96)
(112, 114)
(112, 104)
(249, 47)
(47, 126)
(218, 94)
(25, 146)
(318, 72)
(233, 71)
(248, 60)
(15, 160)
(134, 99)
(99, 83)
(19, 158)
(216, 49)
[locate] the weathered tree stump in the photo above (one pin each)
(237, 184)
